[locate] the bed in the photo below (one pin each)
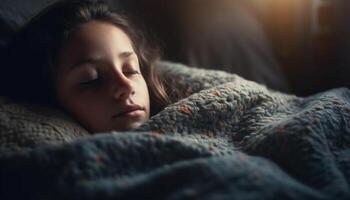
(229, 138)
(226, 138)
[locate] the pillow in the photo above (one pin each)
(24, 126)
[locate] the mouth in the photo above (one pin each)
(130, 111)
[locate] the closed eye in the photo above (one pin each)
(131, 72)
(91, 83)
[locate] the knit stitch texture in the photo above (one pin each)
(228, 139)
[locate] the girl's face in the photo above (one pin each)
(98, 79)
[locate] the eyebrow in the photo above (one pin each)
(122, 55)
(85, 61)
(126, 54)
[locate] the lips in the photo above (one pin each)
(131, 110)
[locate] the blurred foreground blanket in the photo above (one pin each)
(229, 139)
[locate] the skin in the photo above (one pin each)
(98, 77)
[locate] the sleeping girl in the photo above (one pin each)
(89, 61)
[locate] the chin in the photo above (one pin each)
(115, 126)
(128, 127)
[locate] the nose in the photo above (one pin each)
(122, 87)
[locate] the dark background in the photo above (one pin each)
(295, 46)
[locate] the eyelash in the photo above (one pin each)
(98, 80)
(132, 72)
(91, 83)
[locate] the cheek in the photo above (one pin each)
(80, 105)
(144, 92)
(90, 112)
(147, 100)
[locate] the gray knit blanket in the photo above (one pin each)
(228, 139)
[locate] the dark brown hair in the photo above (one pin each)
(32, 54)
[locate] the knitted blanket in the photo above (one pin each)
(228, 139)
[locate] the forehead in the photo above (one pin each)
(97, 37)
